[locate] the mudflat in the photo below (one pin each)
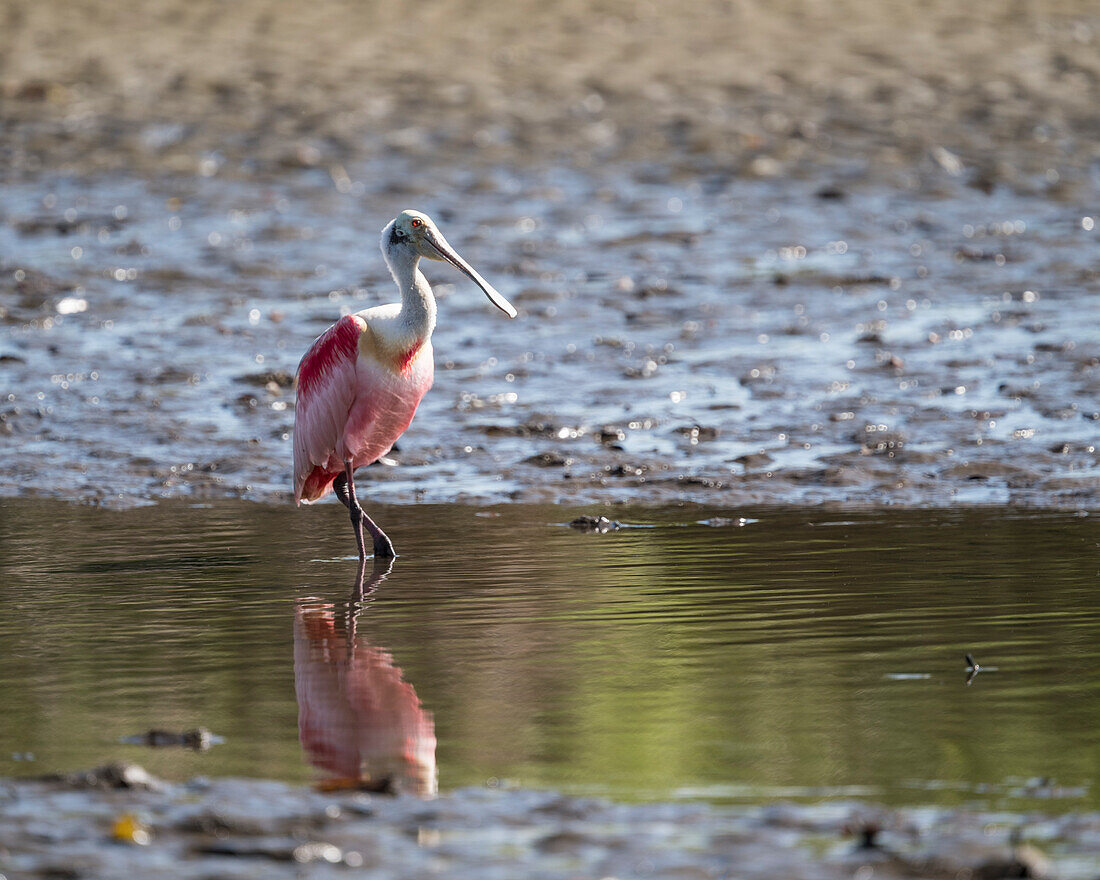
(1010, 88)
(794, 252)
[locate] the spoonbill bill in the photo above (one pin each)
(361, 381)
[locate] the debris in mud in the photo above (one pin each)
(15, 420)
(532, 428)
(866, 832)
(722, 522)
(200, 739)
(277, 849)
(645, 370)
(168, 376)
(595, 524)
(879, 440)
(128, 828)
(1018, 392)
(626, 470)
(247, 403)
(754, 460)
(988, 470)
(695, 480)
(35, 289)
(888, 360)
(546, 460)
(760, 374)
(280, 378)
(121, 774)
(696, 434)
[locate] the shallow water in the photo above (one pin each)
(803, 654)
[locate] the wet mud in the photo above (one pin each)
(756, 257)
(892, 348)
(131, 824)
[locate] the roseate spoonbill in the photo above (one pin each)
(361, 381)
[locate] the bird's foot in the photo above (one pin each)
(383, 547)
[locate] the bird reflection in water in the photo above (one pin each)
(359, 721)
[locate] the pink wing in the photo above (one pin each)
(326, 394)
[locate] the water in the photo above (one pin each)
(812, 653)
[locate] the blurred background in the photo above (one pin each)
(743, 88)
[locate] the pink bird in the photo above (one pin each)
(362, 379)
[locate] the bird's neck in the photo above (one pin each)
(417, 315)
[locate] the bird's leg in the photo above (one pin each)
(340, 487)
(383, 548)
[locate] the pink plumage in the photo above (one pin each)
(362, 379)
(351, 406)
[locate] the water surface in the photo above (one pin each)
(807, 654)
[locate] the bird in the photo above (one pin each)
(360, 382)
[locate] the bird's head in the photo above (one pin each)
(412, 231)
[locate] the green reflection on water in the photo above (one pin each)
(779, 658)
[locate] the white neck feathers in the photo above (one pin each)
(417, 315)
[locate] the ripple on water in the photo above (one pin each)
(801, 653)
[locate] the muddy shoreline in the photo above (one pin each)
(890, 348)
(995, 95)
(124, 823)
(758, 259)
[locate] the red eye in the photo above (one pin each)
(416, 224)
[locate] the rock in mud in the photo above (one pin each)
(546, 460)
(754, 460)
(118, 775)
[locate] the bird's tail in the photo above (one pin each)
(316, 485)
